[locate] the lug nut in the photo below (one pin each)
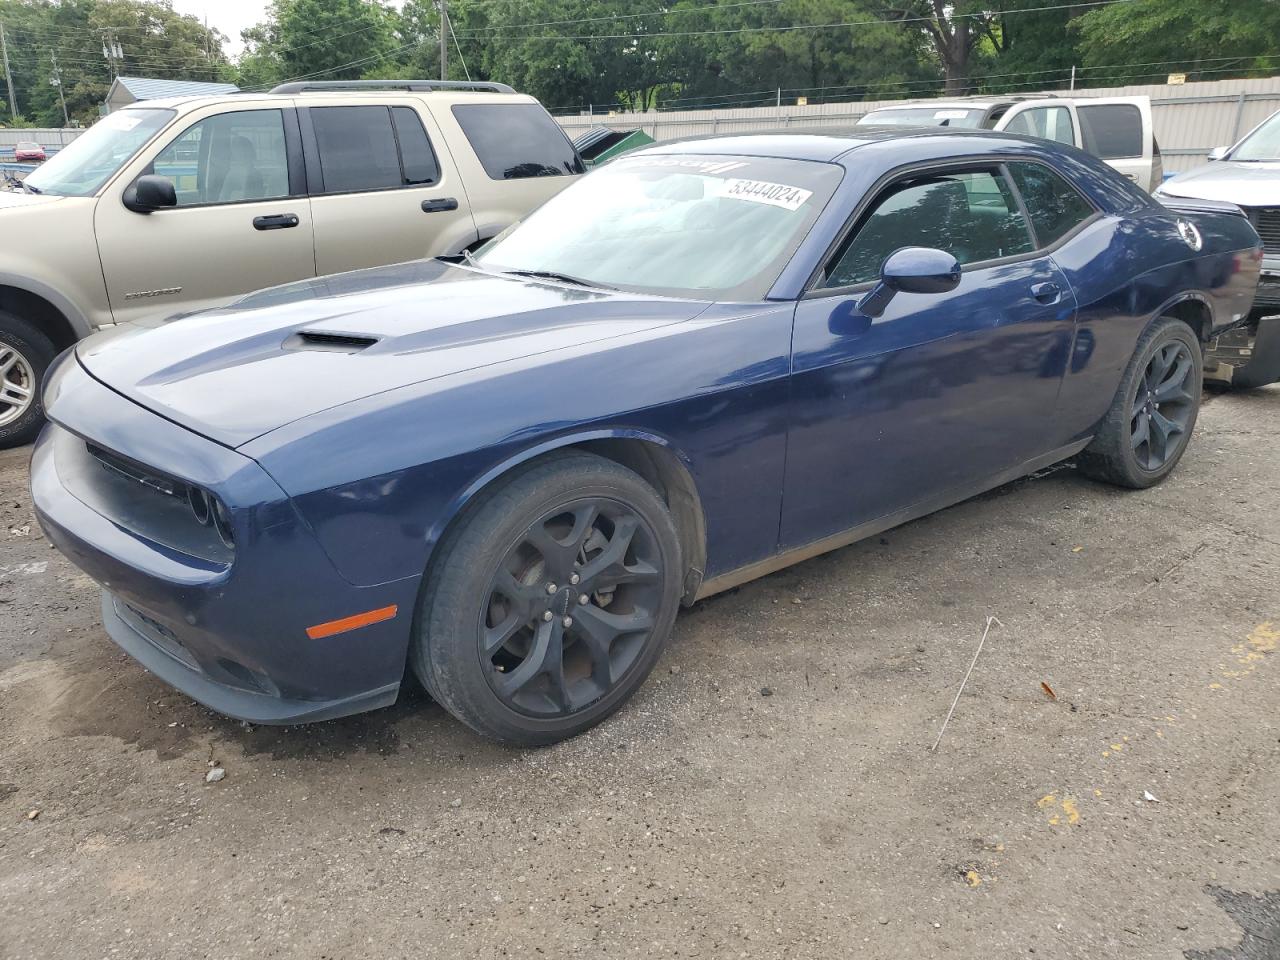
(582, 599)
(567, 621)
(574, 578)
(548, 616)
(551, 588)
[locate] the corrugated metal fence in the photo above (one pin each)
(1190, 119)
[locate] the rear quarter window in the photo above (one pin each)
(517, 140)
(1112, 131)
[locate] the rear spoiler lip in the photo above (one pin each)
(1192, 206)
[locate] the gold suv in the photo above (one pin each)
(173, 206)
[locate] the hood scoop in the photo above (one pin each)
(329, 342)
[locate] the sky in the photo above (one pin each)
(229, 16)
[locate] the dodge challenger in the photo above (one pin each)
(506, 472)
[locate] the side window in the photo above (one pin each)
(517, 140)
(1112, 131)
(416, 156)
(972, 215)
(230, 158)
(1054, 206)
(1050, 123)
(357, 148)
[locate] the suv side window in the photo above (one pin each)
(372, 148)
(517, 140)
(1050, 123)
(1112, 131)
(971, 215)
(230, 158)
(1054, 205)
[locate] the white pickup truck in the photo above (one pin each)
(1115, 129)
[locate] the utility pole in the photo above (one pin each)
(444, 40)
(57, 82)
(112, 51)
(8, 77)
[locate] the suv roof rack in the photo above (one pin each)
(413, 86)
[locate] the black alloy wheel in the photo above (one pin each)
(570, 607)
(1164, 405)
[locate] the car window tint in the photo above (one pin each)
(972, 216)
(230, 158)
(357, 148)
(1051, 123)
(416, 155)
(1111, 131)
(1054, 205)
(516, 140)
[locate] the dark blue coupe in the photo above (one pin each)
(701, 363)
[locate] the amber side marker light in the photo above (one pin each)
(322, 630)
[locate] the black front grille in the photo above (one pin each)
(1266, 220)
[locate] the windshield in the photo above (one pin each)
(924, 117)
(709, 227)
(81, 167)
(1262, 144)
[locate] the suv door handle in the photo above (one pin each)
(1046, 293)
(439, 206)
(277, 221)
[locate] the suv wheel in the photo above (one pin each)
(25, 355)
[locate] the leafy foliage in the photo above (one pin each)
(671, 54)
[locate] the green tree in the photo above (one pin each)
(1143, 40)
(321, 39)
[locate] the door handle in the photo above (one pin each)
(276, 221)
(1046, 293)
(439, 206)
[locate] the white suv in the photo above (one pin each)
(1115, 129)
(173, 206)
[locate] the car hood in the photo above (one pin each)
(1253, 184)
(10, 200)
(276, 356)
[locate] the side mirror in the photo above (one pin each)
(912, 270)
(150, 193)
(1218, 153)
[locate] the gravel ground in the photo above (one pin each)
(709, 819)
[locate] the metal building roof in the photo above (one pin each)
(145, 88)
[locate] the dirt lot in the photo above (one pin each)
(709, 819)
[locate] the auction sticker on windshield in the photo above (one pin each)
(762, 191)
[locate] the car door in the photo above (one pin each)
(384, 188)
(242, 221)
(1119, 130)
(943, 391)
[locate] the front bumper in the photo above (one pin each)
(232, 635)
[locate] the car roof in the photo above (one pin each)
(446, 96)
(830, 146)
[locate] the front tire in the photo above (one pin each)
(550, 601)
(1146, 431)
(25, 356)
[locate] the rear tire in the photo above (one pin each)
(25, 356)
(1146, 431)
(549, 601)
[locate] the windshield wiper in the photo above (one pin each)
(30, 189)
(562, 277)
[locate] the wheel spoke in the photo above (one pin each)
(1162, 431)
(8, 360)
(560, 554)
(604, 627)
(1160, 364)
(495, 638)
(520, 597)
(546, 655)
(1141, 432)
(610, 567)
(1174, 386)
